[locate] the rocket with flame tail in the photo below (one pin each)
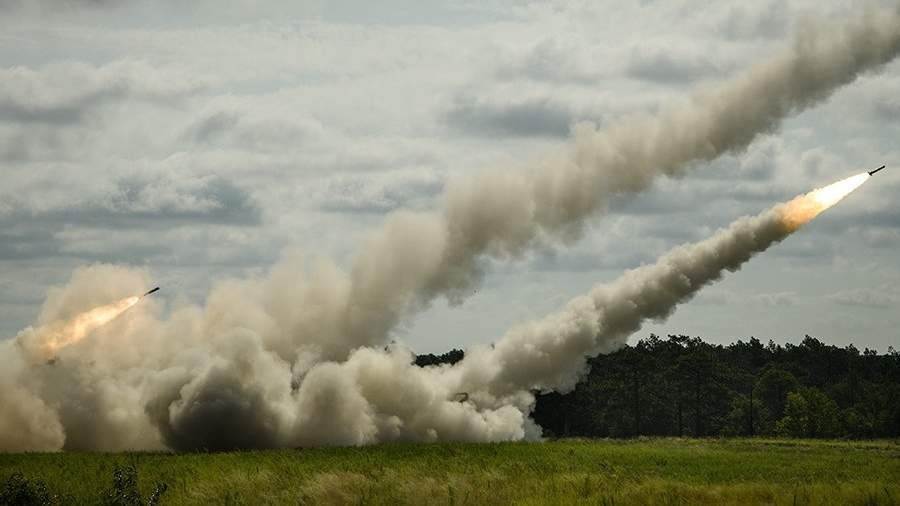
(56, 336)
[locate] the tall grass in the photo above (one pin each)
(612, 472)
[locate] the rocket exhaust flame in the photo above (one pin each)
(59, 336)
(83, 324)
(803, 209)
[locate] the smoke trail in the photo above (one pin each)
(551, 354)
(414, 258)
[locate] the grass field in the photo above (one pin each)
(655, 471)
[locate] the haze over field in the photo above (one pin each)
(281, 159)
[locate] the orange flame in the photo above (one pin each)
(803, 209)
(83, 324)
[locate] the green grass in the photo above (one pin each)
(652, 471)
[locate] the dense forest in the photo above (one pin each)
(683, 386)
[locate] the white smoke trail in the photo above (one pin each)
(551, 354)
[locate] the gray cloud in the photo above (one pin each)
(674, 198)
(770, 300)
(533, 117)
(252, 128)
(153, 201)
(552, 59)
(210, 199)
(755, 20)
(18, 241)
(882, 100)
(44, 121)
(212, 126)
(153, 205)
(35, 96)
(665, 65)
(612, 257)
(62, 114)
(886, 217)
(882, 297)
(379, 194)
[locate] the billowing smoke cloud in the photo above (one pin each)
(283, 360)
(195, 386)
(26, 422)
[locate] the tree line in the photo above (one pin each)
(683, 386)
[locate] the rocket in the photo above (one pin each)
(151, 291)
(872, 172)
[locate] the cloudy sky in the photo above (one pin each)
(206, 139)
